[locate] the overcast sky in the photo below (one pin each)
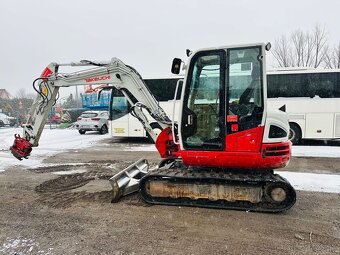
(145, 34)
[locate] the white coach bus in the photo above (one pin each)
(123, 124)
(311, 99)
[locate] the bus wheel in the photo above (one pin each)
(294, 133)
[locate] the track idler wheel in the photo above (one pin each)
(277, 193)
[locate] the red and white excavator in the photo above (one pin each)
(222, 152)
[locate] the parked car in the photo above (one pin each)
(6, 120)
(93, 121)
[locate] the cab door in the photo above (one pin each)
(202, 123)
(245, 99)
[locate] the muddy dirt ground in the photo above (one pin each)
(45, 213)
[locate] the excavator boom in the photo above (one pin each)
(115, 72)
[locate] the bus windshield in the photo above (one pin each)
(118, 106)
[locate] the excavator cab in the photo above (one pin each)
(224, 96)
(223, 89)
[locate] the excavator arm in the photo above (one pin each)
(120, 76)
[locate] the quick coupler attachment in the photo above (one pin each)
(21, 148)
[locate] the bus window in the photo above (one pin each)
(271, 85)
(323, 83)
(290, 85)
(337, 85)
(163, 89)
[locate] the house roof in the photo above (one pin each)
(4, 94)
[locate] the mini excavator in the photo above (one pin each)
(222, 151)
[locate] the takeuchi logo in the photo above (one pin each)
(102, 78)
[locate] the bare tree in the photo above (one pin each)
(70, 102)
(299, 44)
(320, 37)
(304, 49)
(309, 57)
(21, 93)
(337, 56)
(31, 96)
(332, 57)
(282, 52)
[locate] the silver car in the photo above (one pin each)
(6, 120)
(93, 121)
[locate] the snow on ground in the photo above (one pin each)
(52, 142)
(313, 182)
(316, 151)
(59, 140)
(79, 171)
(145, 147)
(22, 245)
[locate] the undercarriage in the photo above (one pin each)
(241, 189)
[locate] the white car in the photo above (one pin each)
(93, 121)
(6, 120)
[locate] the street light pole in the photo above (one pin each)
(77, 96)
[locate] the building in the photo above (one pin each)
(4, 94)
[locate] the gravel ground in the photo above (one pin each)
(46, 211)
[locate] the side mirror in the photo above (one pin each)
(176, 66)
(268, 46)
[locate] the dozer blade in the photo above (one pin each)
(127, 180)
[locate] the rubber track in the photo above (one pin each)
(179, 174)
